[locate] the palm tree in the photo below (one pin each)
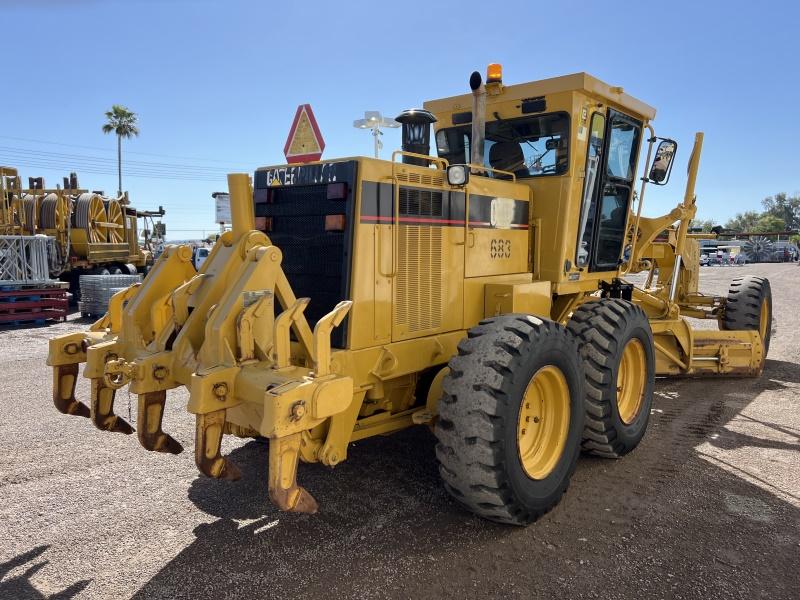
(122, 122)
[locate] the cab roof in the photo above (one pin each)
(577, 82)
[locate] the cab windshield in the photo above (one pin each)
(528, 146)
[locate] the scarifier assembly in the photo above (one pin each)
(357, 297)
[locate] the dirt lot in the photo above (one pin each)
(707, 507)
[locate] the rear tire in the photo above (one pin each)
(749, 307)
(507, 369)
(619, 362)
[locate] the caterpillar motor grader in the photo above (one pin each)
(483, 292)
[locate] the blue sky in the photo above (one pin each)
(216, 84)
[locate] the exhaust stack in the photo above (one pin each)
(478, 118)
(242, 208)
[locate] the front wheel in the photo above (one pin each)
(511, 418)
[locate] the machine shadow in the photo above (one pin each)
(384, 511)
(385, 500)
(20, 586)
(782, 370)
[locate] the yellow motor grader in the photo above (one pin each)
(483, 291)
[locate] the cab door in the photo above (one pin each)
(611, 161)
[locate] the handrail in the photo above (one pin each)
(432, 159)
(473, 166)
(635, 235)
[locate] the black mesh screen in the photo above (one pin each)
(316, 262)
(420, 202)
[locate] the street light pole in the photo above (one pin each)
(374, 121)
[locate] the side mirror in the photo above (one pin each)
(458, 175)
(662, 164)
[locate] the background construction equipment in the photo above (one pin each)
(91, 233)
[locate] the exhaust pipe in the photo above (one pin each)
(478, 118)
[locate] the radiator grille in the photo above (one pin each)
(425, 179)
(314, 260)
(420, 286)
(420, 203)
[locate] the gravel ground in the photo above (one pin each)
(706, 507)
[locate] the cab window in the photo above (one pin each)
(622, 144)
(594, 154)
(532, 146)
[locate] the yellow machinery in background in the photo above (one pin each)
(92, 233)
(484, 292)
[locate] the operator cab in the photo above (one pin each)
(575, 141)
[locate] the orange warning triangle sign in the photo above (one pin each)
(305, 143)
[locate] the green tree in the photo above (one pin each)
(785, 207)
(745, 221)
(705, 225)
(123, 123)
(767, 223)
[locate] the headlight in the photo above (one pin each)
(457, 175)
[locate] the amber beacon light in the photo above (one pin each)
(494, 73)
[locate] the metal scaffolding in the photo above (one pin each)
(25, 259)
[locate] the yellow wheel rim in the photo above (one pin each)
(543, 422)
(631, 379)
(764, 319)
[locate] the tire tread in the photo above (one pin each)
(743, 305)
(470, 426)
(596, 324)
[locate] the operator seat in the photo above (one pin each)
(617, 218)
(508, 156)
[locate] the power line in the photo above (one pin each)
(65, 165)
(102, 160)
(20, 139)
(30, 162)
(107, 166)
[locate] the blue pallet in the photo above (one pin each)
(22, 290)
(26, 322)
(21, 298)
